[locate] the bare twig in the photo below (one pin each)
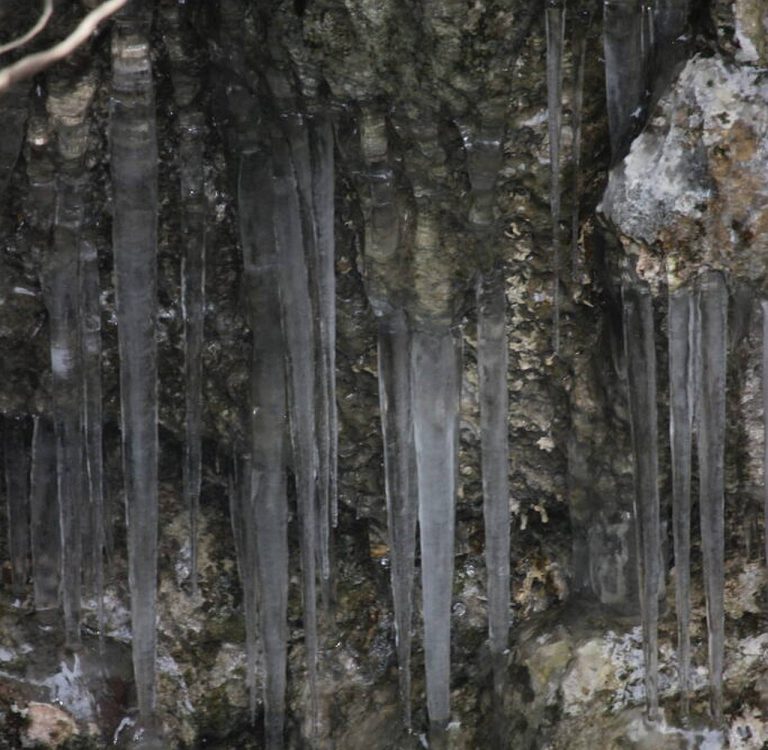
(32, 64)
(40, 24)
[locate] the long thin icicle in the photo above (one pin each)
(90, 308)
(555, 29)
(297, 317)
(15, 452)
(299, 141)
(193, 306)
(45, 530)
(394, 344)
(710, 415)
(641, 371)
(267, 501)
(436, 384)
(62, 295)
(134, 158)
(492, 369)
(681, 316)
(323, 193)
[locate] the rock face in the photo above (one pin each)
(441, 147)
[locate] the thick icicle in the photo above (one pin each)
(436, 384)
(90, 307)
(193, 306)
(492, 369)
(710, 416)
(624, 70)
(555, 29)
(670, 20)
(764, 307)
(394, 343)
(62, 299)
(45, 531)
(681, 317)
(577, 115)
(641, 372)
(267, 499)
(15, 452)
(133, 162)
(297, 319)
(323, 193)
(382, 242)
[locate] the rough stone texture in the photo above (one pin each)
(417, 82)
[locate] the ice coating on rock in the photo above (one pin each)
(641, 375)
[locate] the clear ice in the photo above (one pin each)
(641, 373)
(682, 394)
(436, 388)
(710, 424)
(134, 160)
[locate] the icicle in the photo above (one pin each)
(298, 332)
(624, 70)
(710, 416)
(681, 316)
(669, 21)
(555, 29)
(298, 139)
(15, 452)
(244, 534)
(436, 383)
(193, 307)
(45, 531)
(90, 296)
(641, 372)
(764, 307)
(267, 505)
(400, 482)
(133, 163)
(62, 299)
(323, 191)
(577, 114)
(492, 369)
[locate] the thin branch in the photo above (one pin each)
(32, 64)
(40, 24)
